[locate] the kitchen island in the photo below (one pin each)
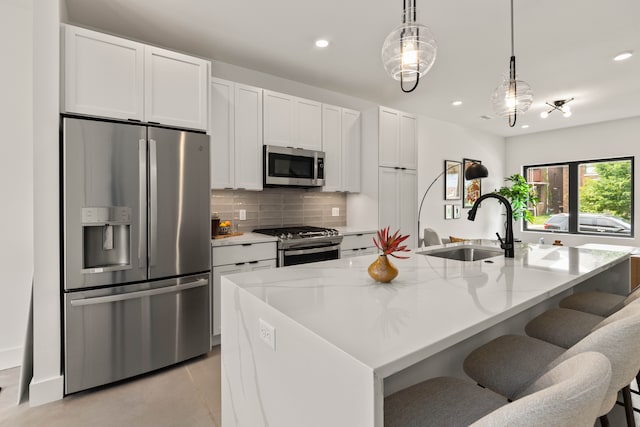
(322, 344)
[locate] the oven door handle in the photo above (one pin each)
(315, 250)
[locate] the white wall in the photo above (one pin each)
(16, 177)
(47, 382)
(439, 141)
(616, 138)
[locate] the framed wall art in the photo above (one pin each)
(452, 180)
(448, 211)
(472, 188)
(456, 211)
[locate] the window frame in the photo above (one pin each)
(574, 196)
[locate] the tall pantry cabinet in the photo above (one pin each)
(397, 177)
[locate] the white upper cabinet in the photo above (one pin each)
(221, 128)
(112, 77)
(332, 147)
(248, 137)
(397, 139)
(103, 75)
(175, 89)
(341, 145)
(236, 135)
(308, 124)
(351, 154)
(290, 121)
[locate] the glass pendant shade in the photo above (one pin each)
(512, 97)
(410, 50)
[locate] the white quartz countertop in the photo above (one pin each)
(245, 238)
(431, 305)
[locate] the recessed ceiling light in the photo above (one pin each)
(623, 55)
(322, 43)
(524, 126)
(456, 103)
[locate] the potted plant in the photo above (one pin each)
(520, 194)
(382, 270)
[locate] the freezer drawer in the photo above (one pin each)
(116, 333)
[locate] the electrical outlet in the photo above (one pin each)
(242, 213)
(335, 211)
(267, 334)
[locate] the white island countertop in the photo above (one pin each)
(330, 342)
(433, 302)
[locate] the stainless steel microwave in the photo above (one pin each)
(286, 166)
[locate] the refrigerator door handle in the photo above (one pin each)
(142, 203)
(139, 294)
(153, 200)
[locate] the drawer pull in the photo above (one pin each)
(247, 244)
(240, 263)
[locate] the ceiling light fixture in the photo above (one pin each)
(456, 103)
(322, 43)
(525, 126)
(409, 50)
(513, 96)
(560, 105)
(623, 55)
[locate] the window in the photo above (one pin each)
(583, 197)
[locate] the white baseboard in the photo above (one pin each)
(45, 391)
(10, 357)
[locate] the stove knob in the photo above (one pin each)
(283, 236)
(334, 232)
(289, 236)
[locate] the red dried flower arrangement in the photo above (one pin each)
(389, 243)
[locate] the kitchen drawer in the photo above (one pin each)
(357, 241)
(244, 252)
(350, 253)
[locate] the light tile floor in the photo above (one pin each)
(184, 395)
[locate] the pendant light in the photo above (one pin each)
(513, 96)
(410, 50)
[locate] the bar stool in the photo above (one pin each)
(570, 394)
(508, 364)
(599, 303)
(565, 327)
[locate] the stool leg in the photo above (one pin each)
(604, 421)
(628, 406)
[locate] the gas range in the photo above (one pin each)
(303, 244)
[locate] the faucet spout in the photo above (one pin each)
(507, 244)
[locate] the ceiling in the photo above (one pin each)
(564, 48)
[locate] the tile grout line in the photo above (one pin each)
(200, 398)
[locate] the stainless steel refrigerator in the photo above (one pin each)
(136, 249)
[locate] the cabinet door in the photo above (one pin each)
(278, 119)
(408, 141)
(266, 264)
(248, 137)
(103, 75)
(216, 273)
(332, 147)
(351, 143)
(388, 208)
(176, 88)
(221, 128)
(408, 205)
(388, 137)
(308, 124)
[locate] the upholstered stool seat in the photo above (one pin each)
(568, 395)
(599, 303)
(509, 363)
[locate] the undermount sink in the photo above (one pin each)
(465, 253)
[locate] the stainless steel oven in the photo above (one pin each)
(301, 245)
(286, 166)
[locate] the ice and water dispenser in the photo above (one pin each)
(106, 239)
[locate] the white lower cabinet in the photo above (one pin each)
(233, 259)
(357, 244)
